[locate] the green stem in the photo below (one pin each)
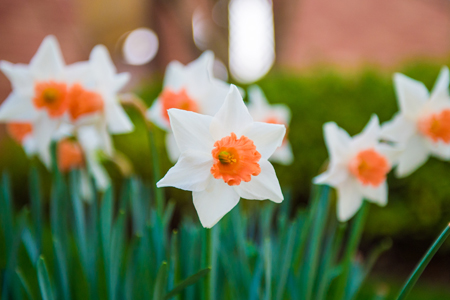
(352, 247)
(423, 264)
(156, 173)
(209, 293)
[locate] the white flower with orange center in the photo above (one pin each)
(262, 111)
(358, 167)
(40, 93)
(223, 158)
(192, 88)
(422, 126)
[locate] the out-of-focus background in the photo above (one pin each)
(327, 60)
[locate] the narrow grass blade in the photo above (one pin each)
(423, 263)
(268, 268)
(161, 282)
(287, 261)
(45, 284)
(23, 281)
(175, 261)
(6, 212)
(159, 193)
(106, 216)
(187, 282)
(62, 270)
(36, 206)
(116, 254)
(352, 246)
(317, 233)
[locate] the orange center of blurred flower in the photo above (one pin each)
(235, 159)
(52, 96)
(369, 167)
(436, 126)
(180, 100)
(273, 120)
(83, 102)
(18, 131)
(70, 155)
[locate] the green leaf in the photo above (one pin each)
(161, 282)
(268, 268)
(45, 284)
(23, 281)
(61, 268)
(423, 263)
(36, 206)
(287, 261)
(185, 283)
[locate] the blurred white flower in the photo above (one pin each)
(192, 88)
(358, 167)
(22, 133)
(262, 111)
(422, 126)
(223, 158)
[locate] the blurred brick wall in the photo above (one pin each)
(353, 32)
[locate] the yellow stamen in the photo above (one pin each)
(226, 157)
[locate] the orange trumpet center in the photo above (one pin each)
(436, 126)
(51, 96)
(19, 131)
(369, 167)
(235, 160)
(70, 155)
(83, 102)
(180, 100)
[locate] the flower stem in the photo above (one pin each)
(156, 173)
(352, 247)
(423, 264)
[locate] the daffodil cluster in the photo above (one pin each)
(359, 165)
(75, 104)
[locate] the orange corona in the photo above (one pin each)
(436, 126)
(180, 100)
(235, 160)
(70, 155)
(19, 131)
(369, 167)
(51, 96)
(83, 102)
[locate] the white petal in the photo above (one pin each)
(117, 119)
(43, 130)
(261, 187)
(192, 172)
(391, 153)
(102, 63)
(29, 145)
(283, 155)
(233, 116)
(376, 195)
(415, 154)
(214, 202)
(349, 199)
(337, 141)
(17, 108)
(439, 95)
(334, 176)
(439, 149)
(101, 178)
(121, 80)
(174, 76)
(20, 77)
(80, 72)
(89, 138)
(258, 104)
(369, 137)
(191, 130)
(266, 137)
(85, 187)
(411, 95)
(399, 129)
(155, 114)
(48, 62)
(172, 148)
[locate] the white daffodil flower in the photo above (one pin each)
(223, 158)
(39, 93)
(358, 167)
(422, 126)
(191, 87)
(262, 111)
